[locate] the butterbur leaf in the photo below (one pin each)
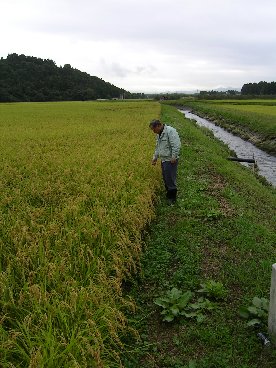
(168, 318)
(254, 322)
(185, 298)
(243, 312)
(262, 313)
(161, 302)
(209, 305)
(253, 310)
(195, 306)
(174, 310)
(265, 304)
(189, 314)
(174, 294)
(257, 302)
(167, 300)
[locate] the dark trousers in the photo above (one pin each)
(169, 172)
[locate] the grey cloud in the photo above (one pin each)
(116, 69)
(202, 42)
(123, 71)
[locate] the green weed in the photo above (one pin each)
(257, 313)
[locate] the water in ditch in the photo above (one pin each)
(266, 163)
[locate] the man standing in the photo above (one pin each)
(167, 149)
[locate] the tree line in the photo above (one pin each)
(259, 89)
(27, 78)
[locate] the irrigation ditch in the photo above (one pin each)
(245, 150)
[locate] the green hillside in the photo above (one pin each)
(28, 78)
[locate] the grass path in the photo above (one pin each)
(223, 229)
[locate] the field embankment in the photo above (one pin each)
(222, 229)
(76, 192)
(253, 120)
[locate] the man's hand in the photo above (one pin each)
(153, 162)
(173, 160)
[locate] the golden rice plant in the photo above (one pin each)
(77, 189)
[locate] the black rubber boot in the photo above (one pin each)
(171, 196)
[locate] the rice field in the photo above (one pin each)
(77, 190)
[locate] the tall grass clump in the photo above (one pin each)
(76, 192)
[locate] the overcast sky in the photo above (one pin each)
(148, 45)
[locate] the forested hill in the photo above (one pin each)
(27, 78)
